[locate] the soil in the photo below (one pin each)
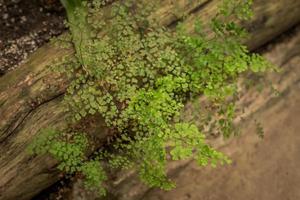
(25, 26)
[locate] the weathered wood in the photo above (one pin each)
(30, 97)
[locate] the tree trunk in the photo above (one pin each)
(30, 96)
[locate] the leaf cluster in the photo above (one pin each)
(138, 75)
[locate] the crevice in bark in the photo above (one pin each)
(11, 133)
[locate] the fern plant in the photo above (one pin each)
(137, 75)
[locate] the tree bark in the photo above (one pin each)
(30, 96)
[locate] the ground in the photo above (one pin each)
(25, 26)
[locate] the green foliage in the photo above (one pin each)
(137, 75)
(68, 151)
(94, 176)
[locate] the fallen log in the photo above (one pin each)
(30, 96)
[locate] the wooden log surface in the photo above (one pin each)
(30, 96)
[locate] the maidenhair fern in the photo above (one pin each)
(137, 75)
